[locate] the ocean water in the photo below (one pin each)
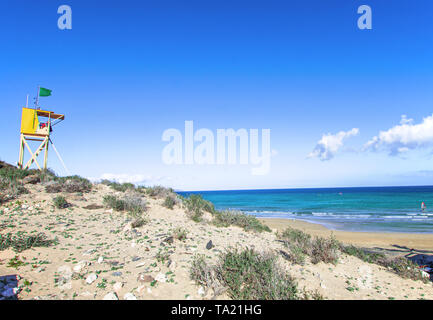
(377, 209)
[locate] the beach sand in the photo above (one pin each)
(99, 255)
(401, 242)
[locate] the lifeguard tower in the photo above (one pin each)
(36, 125)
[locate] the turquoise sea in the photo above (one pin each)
(381, 209)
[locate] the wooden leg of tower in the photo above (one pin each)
(46, 153)
(21, 157)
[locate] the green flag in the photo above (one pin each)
(44, 92)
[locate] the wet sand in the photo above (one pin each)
(399, 241)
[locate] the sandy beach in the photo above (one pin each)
(100, 255)
(398, 241)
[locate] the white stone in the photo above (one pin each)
(91, 278)
(89, 252)
(100, 259)
(172, 266)
(65, 276)
(129, 296)
(87, 294)
(117, 286)
(140, 265)
(201, 291)
(161, 277)
(149, 290)
(127, 228)
(80, 265)
(140, 289)
(111, 296)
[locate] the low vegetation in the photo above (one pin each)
(21, 241)
(69, 184)
(138, 222)
(247, 222)
(246, 275)
(196, 206)
(122, 187)
(11, 185)
(60, 202)
(169, 202)
(402, 266)
(301, 244)
(133, 203)
(180, 233)
(159, 192)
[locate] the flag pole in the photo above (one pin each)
(37, 98)
(27, 101)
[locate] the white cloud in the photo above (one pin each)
(327, 147)
(147, 180)
(403, 137)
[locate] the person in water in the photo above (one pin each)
(423, 207)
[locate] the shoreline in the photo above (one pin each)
(402, 242)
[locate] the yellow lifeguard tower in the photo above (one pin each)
(36, 125)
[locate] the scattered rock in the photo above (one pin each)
(89, 252)
(129, 296)
(117, 286)
(93, 206)
(143, 278)
(128, 227)
(111, 296)
(100, 260)
(80, 265)
(116, 274)
(65, 277)
(201, 291)
(135, 258)
(161, 277)
(209, 245)
(169, 240)
(91, 278)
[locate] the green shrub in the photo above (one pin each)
(159, 192)
(60, 202)
(122, 187)
(138, 222)
(21, 241)
(12, 173)
(324, 250)
(68, 184)
(300, 244)
(10, 189)
(169, 202)
(401, 266)
(132, 203)
(247, 275)
(247, 222)
(114, 203)
(180, 233)
(196, 206)
(363, 254)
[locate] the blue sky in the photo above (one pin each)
(129, 70)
